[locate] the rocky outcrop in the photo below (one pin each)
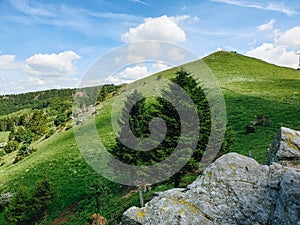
(233, 190)
(286, 146)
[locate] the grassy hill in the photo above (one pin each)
(252, 88)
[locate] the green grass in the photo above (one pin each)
(4, 136)
(251, 87)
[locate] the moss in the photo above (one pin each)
(190, 206)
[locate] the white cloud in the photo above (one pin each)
(60, 64)
(160, 66)
(175, 54)
(7, 62)
(45, 83)
(267, 27)
(282, 51)
(133, 73)
(36, 81)
(276, 7)
(275, 54)
(290, 38)
(162, 28)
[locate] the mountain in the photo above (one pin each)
(260, 98)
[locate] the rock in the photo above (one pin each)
(233, 190)
(286, 146)
(3, 144)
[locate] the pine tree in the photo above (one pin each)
(133, 114)
(181, 135)
(171, 117)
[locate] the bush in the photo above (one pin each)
(24, 151)
(262, 120)
(11, 146)
(5, 198)
(27, 208)
(250, 128)
(60, 119)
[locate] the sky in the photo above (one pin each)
(52, 44)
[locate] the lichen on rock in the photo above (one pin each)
(233, 190)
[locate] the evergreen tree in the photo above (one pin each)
(181, 134)
(171, 117)
(134, 114)
(103, 94)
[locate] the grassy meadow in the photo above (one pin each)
(251, 88)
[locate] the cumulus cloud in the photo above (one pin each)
(60, 64)
(282, 51)
(36, 81)
(8, 62)
(162, 28)
(267, 27)
(176, 54)
(275, 54)
(142, 50)
(290, 38)
(133, 73)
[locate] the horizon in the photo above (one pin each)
(51, 45)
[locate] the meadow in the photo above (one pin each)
(252, 89)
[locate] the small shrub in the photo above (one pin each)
(60, 119)
(11, 146)
(24, 151)
(5, 198)
(262, 120)
(250, 128)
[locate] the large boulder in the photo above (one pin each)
(286, 146)
(233, 190)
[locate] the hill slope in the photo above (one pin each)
(251, 88)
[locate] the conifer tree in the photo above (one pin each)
(133, 113)
(170, 115)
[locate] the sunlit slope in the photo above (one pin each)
(251, 88)
(254, 88)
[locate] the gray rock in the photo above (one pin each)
(286, 146)
(233, 190)
(3, 144)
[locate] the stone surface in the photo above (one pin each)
(3, 144)
(233, 190)
(286, 146)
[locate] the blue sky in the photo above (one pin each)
(51, 44)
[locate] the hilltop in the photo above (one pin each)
(260, 98)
